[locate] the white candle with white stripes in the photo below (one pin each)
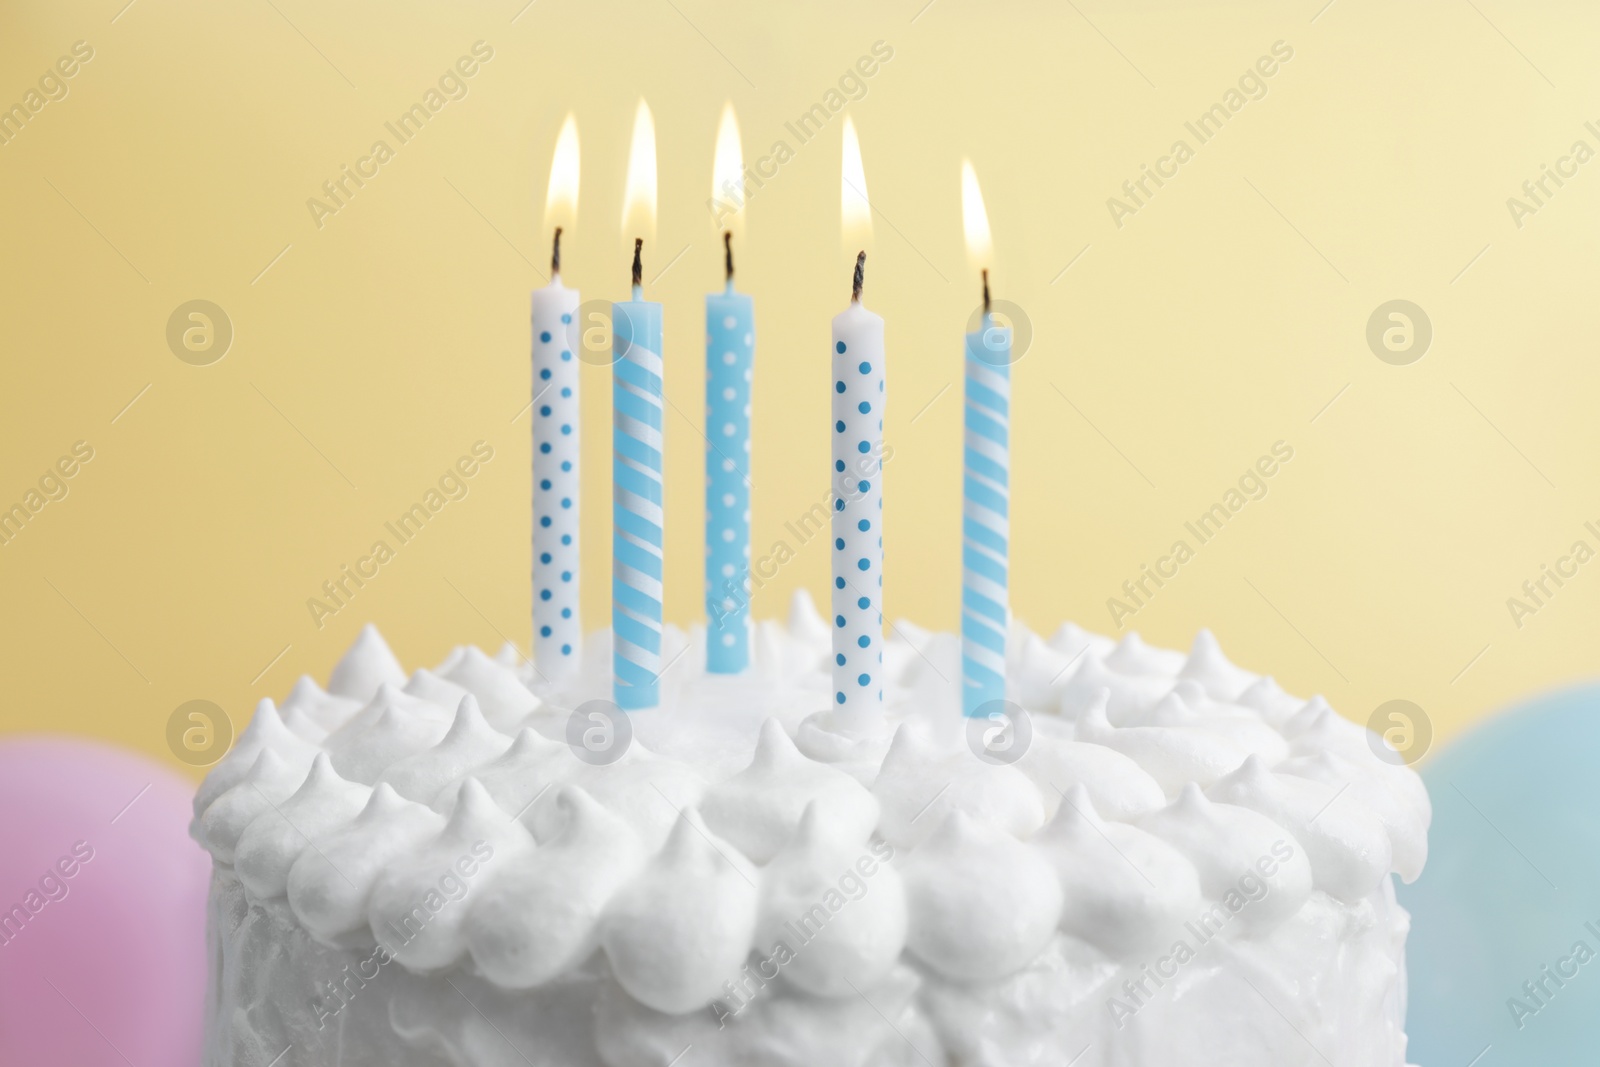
(985, 484)
(858, 388)
(557, 626)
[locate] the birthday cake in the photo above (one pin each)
(1153, 860)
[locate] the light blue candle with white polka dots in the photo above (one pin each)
(730, 349)
(985, 519)
(636, 511)
(858, 388)
(557, 628)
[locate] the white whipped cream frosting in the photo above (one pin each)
(443, 816)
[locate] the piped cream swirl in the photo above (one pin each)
(444, 815)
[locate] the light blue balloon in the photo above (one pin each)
(1512, 887)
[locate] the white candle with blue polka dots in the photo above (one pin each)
(858, 397)
(730, 351)
(557, 628)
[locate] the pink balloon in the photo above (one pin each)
(105, 962)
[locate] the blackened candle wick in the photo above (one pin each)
(727, 260)
(555, 253)
(986, 291)
(638, 265)
(861, 270)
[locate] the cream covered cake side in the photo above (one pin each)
(1161, 860)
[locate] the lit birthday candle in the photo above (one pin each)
(557, 627)
(858, 399)
(985, 483)
(636, 442)
(730, 348)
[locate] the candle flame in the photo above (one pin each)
(855, 213)
(561, 201)
(974, 219)
(727, 175)
(639, 202)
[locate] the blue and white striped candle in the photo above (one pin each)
(858, 399)
(985, 517)
(557, 627)
(730, 351)
(636, 513)
(985, 484)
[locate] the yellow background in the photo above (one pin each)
(1223, 316)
